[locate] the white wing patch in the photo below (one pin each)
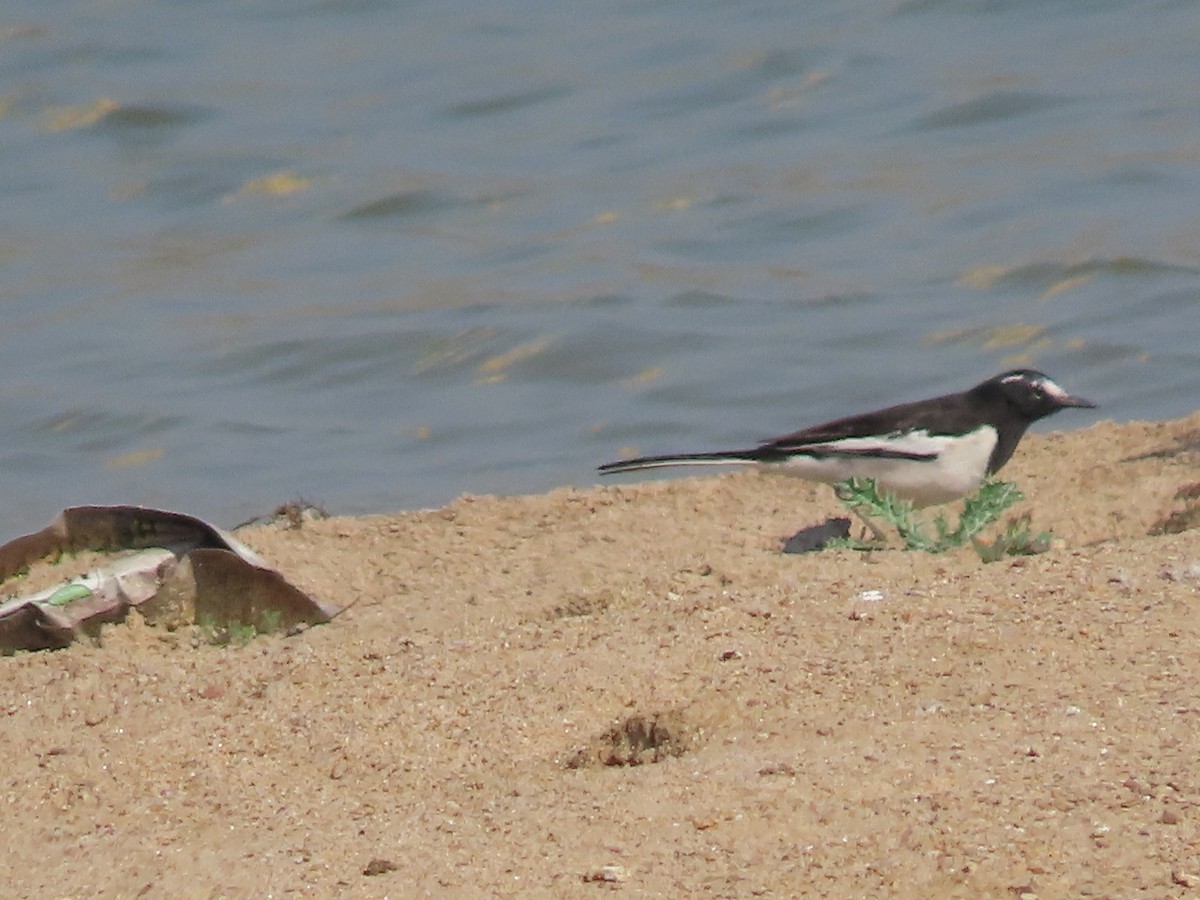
(907, 443)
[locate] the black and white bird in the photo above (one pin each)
(928, 452)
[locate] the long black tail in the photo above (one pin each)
(720, 458)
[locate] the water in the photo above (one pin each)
(377, 254)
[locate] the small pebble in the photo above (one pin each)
(612, 874)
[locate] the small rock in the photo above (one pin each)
(776, 769)
(212, 691)
(1186, 573)
(1136, 787)
(1185, 879)
(612, 874)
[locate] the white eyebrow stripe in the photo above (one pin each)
(1050, 388)
(1054, 391)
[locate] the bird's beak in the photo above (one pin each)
(1079, 402)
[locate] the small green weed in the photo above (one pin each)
(1018, 539)
(241, 634)
(269, 620)
(862, 497)
(237, 633)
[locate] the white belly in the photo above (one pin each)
(958, 470)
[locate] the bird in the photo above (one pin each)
(926, 452)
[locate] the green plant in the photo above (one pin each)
(240, 634)
(1018, 539)
(224, 634)
(863, 498)
(269, 620)
(235, 632)
(210, 631)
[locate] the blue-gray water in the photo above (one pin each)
(378, 254)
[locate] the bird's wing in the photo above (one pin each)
(908, 431)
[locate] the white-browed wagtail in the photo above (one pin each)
(928, 452)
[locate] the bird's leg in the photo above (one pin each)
(854, 495)
(879, 536)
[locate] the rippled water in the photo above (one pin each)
(376, 254)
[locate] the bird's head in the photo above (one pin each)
(1032, 394)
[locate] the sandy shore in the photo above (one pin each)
(468, 726)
